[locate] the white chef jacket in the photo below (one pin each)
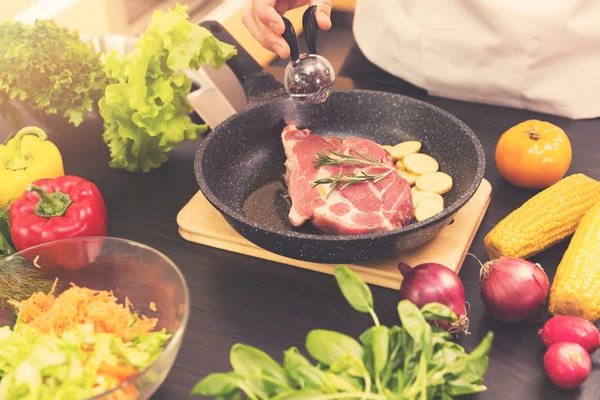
(541, 55)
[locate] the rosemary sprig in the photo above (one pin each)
(343, 181)
(362, 159)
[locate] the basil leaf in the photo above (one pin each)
(438, 312)
(379, 348)
(218, 384)
(301, 371)
(354, 289)
(329, 346)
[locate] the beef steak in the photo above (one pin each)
(359, 208)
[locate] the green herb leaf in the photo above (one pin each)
(301, 371)
(327, 347)
(438, 312)
(354, 289)
(341, 383)
(218, 384)
(412, 320)
(260, 372)
(380, 347)
(145, 107)
(302, 395)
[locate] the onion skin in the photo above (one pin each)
(432, 282)
(571, 329)
(568, 365)
(513, 290)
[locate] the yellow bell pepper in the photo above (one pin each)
(27, 157)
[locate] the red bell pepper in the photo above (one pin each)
(55, 209)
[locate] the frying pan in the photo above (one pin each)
(239, 166)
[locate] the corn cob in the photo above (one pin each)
(544, 220)
(576, 287)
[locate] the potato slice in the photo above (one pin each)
(436, 182)
(422, 194)
(400, 165)
(419, 163)
(410, 178)
(388, 148)
(403, 149)
(427, 208)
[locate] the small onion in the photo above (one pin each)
(432, 282)
(513, 290)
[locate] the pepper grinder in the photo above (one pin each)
(308, 78)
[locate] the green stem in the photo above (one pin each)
(16, 158)
(375, 319)
(50, 204)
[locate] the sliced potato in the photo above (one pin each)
(410, 178)
(427, 208)
(419, 163)
(403, 149)
(400, 165)
(422, 194)
(388, 148)
(414, 189)
(436, 182)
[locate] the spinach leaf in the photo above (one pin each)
(327, 347)
(342, 383)
(355, 290)
(460, 387)
(350, 365)
(478, 357)
(438, 312)
(260, 372)
(301, 395)
(395, 356)
(301, 371)
(217, 384)
(379, 348)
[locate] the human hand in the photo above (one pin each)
(263, 19)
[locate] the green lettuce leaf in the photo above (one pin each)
(145, 108)
(49, 69)
(45, 367)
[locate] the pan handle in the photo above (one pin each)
(258, 85)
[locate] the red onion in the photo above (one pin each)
(431, 282)
(513, 289)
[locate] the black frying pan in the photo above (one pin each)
(240, 164)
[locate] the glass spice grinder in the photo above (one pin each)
(308, 78)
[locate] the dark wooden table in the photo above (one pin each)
(272, 306)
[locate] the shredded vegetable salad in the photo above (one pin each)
(75, 345)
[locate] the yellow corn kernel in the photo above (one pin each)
(544, 220)
(576, 287)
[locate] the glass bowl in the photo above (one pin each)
(128, 269)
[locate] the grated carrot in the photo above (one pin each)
(76, 305)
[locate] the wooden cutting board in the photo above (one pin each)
(201, 223)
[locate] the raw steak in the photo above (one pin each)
(360, 208)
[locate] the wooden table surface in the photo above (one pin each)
(240, 299)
